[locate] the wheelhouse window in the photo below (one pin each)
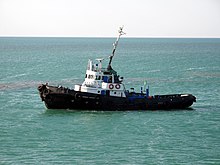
(90, 76)
(98, 77)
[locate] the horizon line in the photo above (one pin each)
(144, 37)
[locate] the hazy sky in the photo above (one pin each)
(101, 18)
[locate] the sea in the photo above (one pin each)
(32, 134)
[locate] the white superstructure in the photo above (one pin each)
(103, 81)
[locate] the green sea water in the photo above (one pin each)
(31, 134)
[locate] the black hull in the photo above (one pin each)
(64, 98)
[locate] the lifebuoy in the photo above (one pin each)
(117, 86)
(111, 86)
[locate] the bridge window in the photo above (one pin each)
(98, 77)
(90, 77)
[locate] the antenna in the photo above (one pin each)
(115, 44)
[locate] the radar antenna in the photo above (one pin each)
(115, 44)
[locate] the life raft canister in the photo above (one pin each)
(117, 86)
(111, 86)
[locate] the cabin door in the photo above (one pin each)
(107, 92)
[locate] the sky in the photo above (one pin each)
(101, 18)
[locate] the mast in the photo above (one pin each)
(115, 44)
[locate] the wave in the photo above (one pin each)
(198, 68)
(18, 85)
(33, 84)
(153, 71)
(16, 76)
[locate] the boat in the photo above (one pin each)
(103, 90)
